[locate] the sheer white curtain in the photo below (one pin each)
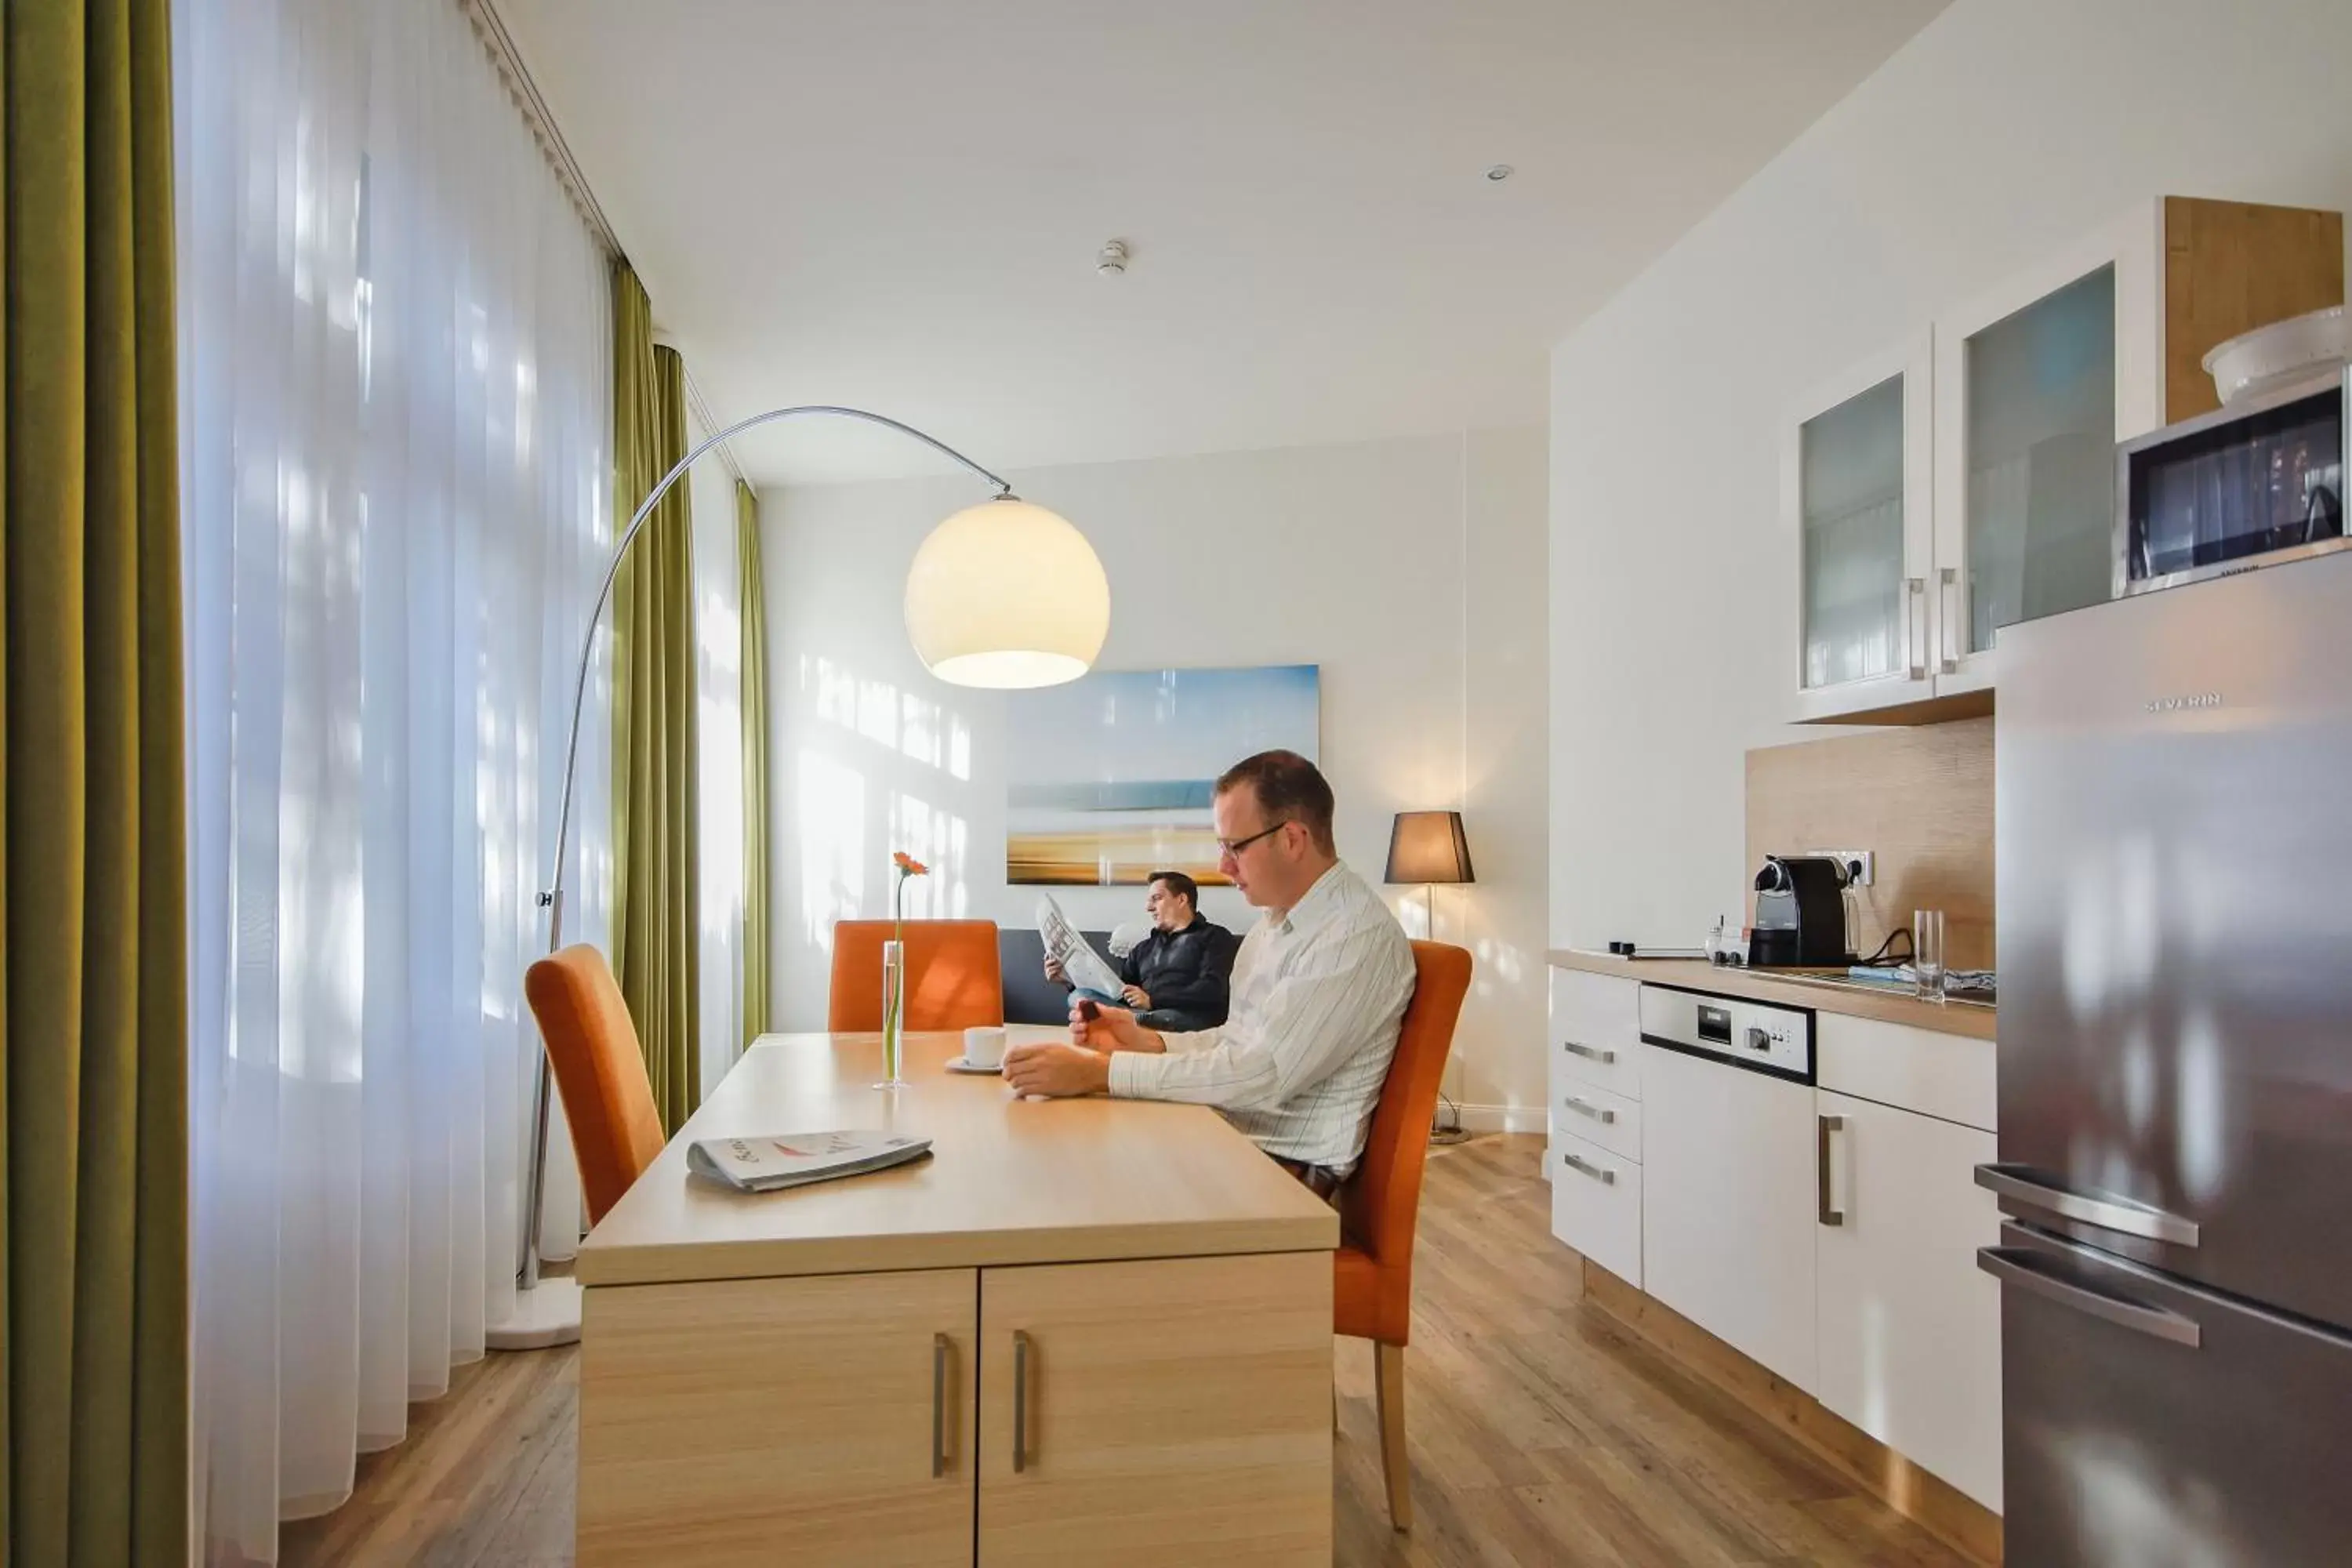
(719, 697)
(396, 428)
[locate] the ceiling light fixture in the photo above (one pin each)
(1500, 173)
(1111, 260)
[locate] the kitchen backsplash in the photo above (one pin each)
(1920, 799)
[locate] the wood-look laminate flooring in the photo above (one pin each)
(1544, 1433)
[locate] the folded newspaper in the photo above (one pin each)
(1081, 965)
(769, 1160)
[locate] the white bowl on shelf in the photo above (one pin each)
(2254, 362)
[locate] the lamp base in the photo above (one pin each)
(545, 1316)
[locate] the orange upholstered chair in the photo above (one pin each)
(955, 980)
(1372, 1271)
(600, 1070)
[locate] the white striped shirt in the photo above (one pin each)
(1318, 990)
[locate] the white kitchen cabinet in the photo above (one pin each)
(1596, 1204)
(1952, 1077)
(2036, 381)
(1856, 491)
(1597, 1116)
(1908, 1329)
(1727, 1205)
(1596, 1023)
(1988, 497)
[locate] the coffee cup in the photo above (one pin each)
(984, 1046)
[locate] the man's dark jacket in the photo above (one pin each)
(1188, 971)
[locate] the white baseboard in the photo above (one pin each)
(1498, 1118)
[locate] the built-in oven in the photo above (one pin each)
(2255, 483)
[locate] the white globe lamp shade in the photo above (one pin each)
(1007, 595)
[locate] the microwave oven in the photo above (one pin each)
(2250, 485)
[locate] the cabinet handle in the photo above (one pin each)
(1020, 1401)
(938, 1406)
(1915, 626)
(1605, 1177)
(1822, 1127)
(1590, 1053)
(1586, 1108)
(1950, 607)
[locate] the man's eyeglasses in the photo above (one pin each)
(1233, 847)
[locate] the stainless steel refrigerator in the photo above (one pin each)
(2174, 829)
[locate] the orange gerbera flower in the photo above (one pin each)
(907, 864)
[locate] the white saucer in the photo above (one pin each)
(961, 1064)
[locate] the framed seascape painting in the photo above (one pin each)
(1108, 778)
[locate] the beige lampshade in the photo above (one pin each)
(1428, 846)
(1007, 595)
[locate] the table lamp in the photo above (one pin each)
(1430, 847)
(1003, 594)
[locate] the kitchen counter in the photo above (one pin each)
(1823, 990)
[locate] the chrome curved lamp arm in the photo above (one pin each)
(552, 898)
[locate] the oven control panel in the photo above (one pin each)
(1755, 1035)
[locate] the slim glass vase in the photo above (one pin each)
(893, 1015)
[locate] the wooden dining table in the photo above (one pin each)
(1077, 1332)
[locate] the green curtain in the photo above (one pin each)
(753, 581)
(93, 939)
(657, 912)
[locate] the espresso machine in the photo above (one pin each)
(1800, 914)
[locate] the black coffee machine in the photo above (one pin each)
(1800, 914)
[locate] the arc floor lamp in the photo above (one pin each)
(1002, 594)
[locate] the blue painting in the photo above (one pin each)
(1108, 778)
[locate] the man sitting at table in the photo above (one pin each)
(1318, 990)
(1178, 976)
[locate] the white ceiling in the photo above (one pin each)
(896, 204)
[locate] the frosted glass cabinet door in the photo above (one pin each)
(1850, 471)
(2036, 380)
(1855, 477)
(2040, 428)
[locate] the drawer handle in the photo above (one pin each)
(1607, 1178)
(1824, 1126)
(2023, 1268)
(1590, 1053)
(1020, 1401)
(938, 1406)
(1586, 1108)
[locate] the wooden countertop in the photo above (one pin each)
(1793, 987)
(1009, 1180)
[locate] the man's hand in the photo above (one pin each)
(1112, 1029)
(1138, 997)
(1053, 970)
(1050, 1067)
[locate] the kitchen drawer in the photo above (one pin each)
(1596, 1023)
(1945, 1076)
(1596, 1205)
(1595, 1115)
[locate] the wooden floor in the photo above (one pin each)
(1544, 1433)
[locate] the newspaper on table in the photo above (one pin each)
(766, 1161)
(1081, 965)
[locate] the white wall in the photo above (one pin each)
(1362, 558)
(2003, 131)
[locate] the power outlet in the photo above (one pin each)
(1861, 865)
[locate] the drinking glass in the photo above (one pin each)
(1928, 952)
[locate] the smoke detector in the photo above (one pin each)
(1111, 260)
